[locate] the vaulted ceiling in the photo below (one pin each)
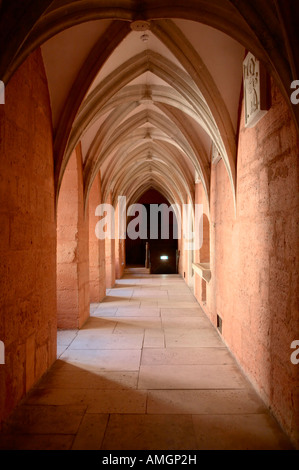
(153, 110)
(151, 89)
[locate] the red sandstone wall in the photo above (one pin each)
(254, 259)
(27, 234)
(97, 274)
(72, 248)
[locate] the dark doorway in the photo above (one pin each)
(163, 252)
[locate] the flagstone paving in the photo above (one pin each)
(147, 371)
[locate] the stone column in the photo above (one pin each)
(110, 256)
(97, 272)
(72, 248)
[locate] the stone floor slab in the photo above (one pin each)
(119, 401)
(41, 442)
(204, 402)
(91, 432)
(65, 337)
(102, 312)
(201, 338)
(133, 325)
(97, 360)
(150, 294)
(186, 356)
(239, 432)
(75, 378)
(148, 303)
(190, 377)
(180, 311)
(45, 420)
(98, 325)
(107, 341)
(177, 304)
(190, 322)
(154, 339)
(138, 312)
(94, 401)
(60, 350)
(183, 390)
(149, 432)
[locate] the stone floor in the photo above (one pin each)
(147, 371)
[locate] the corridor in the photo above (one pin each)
(147, 371)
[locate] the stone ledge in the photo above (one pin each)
(203, 270)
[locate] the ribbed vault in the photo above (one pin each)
(123, 115)
(130, 82)
(114, 96)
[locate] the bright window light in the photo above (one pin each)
(164, 258)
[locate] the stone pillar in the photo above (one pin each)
(202, 255)
(97, 272)
(110, 256)
(181, 248)
(186, 253)
(28, 325)
(147, 259)
(72, 248)
(119, 247)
